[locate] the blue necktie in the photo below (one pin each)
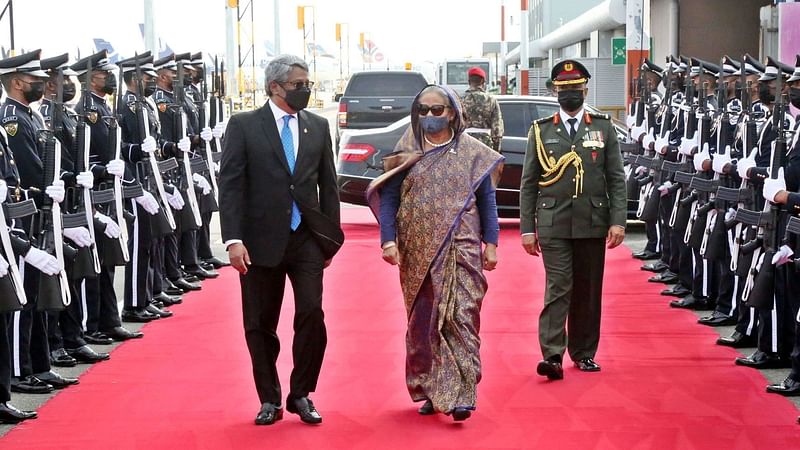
(288, 149)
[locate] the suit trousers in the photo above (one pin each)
(570, 318)
(262, 295)
(204, 237)
(138, 279)
(101, 302)
(65, 328)
(5, 360)
(27, 332)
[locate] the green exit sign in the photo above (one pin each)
(619, 50)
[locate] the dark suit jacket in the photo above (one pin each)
(256, 187)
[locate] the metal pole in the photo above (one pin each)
(276, 16)
(253, 48)
(239, 71)
(503, 49)
(348, 50)
(314, 54)
(522, 82)
(232, 89)
(11, 24)
(150, 42)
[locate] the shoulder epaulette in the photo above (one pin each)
(545, 119)
(597, 115)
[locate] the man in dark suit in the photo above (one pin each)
(277, 179)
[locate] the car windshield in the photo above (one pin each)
(385, 85)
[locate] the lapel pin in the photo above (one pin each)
(305, 130)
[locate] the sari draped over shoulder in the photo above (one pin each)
(441, 269)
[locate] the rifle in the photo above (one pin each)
(13, 297)
(203, 110)
(180, 124)
(653, 196)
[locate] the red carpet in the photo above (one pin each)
(188, 384)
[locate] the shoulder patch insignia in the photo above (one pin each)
(545, 119)
(132, 106)
(11, 128)
(92, 116)
(600, 115)
(162, 107)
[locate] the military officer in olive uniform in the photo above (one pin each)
(572, 205)
(482, 114)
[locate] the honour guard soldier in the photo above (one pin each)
(572, 205)
(481, 111)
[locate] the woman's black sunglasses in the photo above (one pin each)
(437, 110)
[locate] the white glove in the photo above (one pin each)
(149, 144)
(219, 130)
(782, 256)
(184, 144)
(3, 191)
(216, 168)
(112, 229)
(701, 157)
(85, 179)
(662, 143)
(79, 235)
(641, 170)
(729, 214)
(202, 183)
(664, 188)
(175, 199)
(45, 262)
(637, 132)
(3, 267)
(687, 145)
(744, 165)
(206, 134)
(630, 121)
(56, 191)
(773, 186)
(148, 202)
(721, 160)
(648, 139)
(116, 167)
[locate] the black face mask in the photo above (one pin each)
(149, 87)
(297, 99)
(35, 93)
(570, 100)
(198, 76)
(187, 81)
(794, 96)
(110, 85)
(764, 94)
(68, 92)
(737, 90)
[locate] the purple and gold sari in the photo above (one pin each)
(441, 264)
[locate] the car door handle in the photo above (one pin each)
(386, 107)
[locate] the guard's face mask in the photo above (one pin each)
(110, 85)
(765, 94)
(34, 92)
(68, 91)
(794, 96)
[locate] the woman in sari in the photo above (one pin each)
(436, 206)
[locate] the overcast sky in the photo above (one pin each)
(404, 30)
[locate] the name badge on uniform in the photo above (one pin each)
(594, 139)
(551, 141)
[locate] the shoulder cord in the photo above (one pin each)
(556, 169)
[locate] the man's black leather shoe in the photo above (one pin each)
(658, 266)
(788, 388)
(587, 365)
(692, 302)
(764, 360)
(304, 408)
(216, 262)
(153, 309)
(60, 358)
(56, 380)
(30, 385)
(737, 340)
(185, 286)
(97, 338)
(123, 334)
(190, 278)
(550, 369)
(168, 300)
(269, 414)
(85, 354)
(138, 316)
(201, 273)
(9, 414)
(677, 291)
(170, 289)
(647, 254)
(426, 409)
(717, 319)
(206, 266)
(666, 276)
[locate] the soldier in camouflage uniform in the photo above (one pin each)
(481, 112)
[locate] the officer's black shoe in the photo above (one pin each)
(123, 334)
(137, 316)
(717, 319)
(185, 286)
(190, 278)
(677, 291)
(85, 354)
(550, 368)
(587, 365)
(666, 276)
(647, 254)
(170, 289)
(30, 385)
(216, 262)
(658, 266)
(737, 340)
(97, 338)
(201, 273)
(60, 358)
(9, 414)
(56, 380)
(789, 388)
(206, 266)
(168, 300)
(153, 309)
(692, 302)
(764, 360)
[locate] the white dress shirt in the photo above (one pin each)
(566, 116)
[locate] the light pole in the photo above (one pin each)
(301, 24)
